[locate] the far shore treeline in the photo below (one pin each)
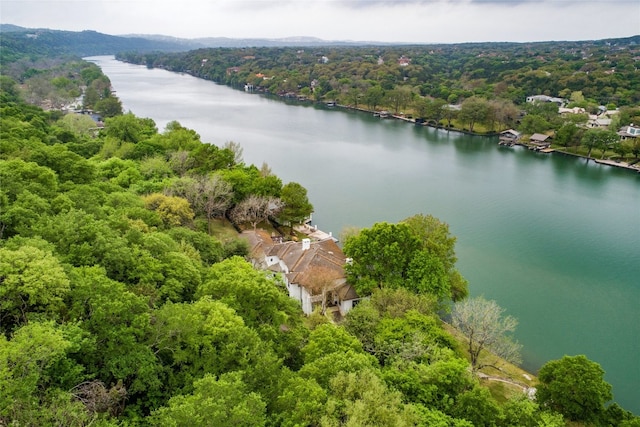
(480, 88)
(128, 297)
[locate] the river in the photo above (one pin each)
(553, 239)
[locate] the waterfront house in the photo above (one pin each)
(313, 271)
(541, 140)
(629, 132)
(509, 137)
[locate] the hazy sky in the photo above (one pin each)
(420, 21)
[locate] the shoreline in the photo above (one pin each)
(333, 104)
(615, 163)
(634, 166)
(608, 162)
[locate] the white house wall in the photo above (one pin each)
(273, 260)
(345, 306)
(301, 295)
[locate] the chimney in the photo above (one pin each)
(306, 244)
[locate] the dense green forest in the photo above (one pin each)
(604, 71)
(127, 297)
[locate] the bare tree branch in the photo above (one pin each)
(481, 321)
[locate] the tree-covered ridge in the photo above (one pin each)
(481, 88)
(61, 84)
(605, 71)
(124, 302)
(45, 42)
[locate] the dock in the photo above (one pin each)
(623, 165)
(314, 233)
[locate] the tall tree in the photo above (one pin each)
(129, 128)
(79, 124)
(119, 321)
(254, 295)
(205, 337)
(296, 206)
(109, 106)
(565, 135)
(321, 281)
(575, 387)
(327, 339)
(32, 283)
(449, 114)
(174, 211)
(534, 123)
(210, 196)
(435, 110)
(224, 402)
(236, 149)
(593, 138)
(474, 110)
(394, 255)
(32, 366)
(399, 98)
(478, 406)
(17, 175)
(363, 399)
(485, 328)
(435, 237)
(301, 403)
(255, 209)
(374, 96)
(439, 244)
(381, 256)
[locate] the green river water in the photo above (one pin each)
(553, 239)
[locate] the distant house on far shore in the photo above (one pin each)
(545, 98)
(574, 110)
(404, 61)
(509, 137)
(540, 139)
(598, 122)
(628, 132)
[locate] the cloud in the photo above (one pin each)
(417, 21)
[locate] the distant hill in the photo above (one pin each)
(88, 43)
(8, 28)
(18, 41)
(208, 42)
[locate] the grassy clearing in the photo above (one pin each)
(503, 383)
(223, 230)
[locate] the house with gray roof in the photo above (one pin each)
(629, 132)
(545, 98)
(540, 140)
(509, 137)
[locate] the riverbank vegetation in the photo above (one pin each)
(126, 299)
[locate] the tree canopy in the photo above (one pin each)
(575, 387)
(127, 297)
(417, 254)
